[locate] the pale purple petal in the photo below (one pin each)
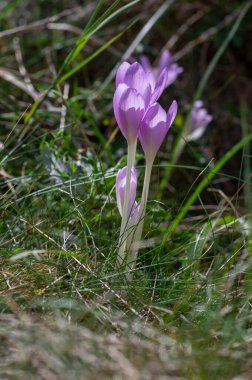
(165, 64)
(116, 100)
(121, 72)
(172, 112)
(165, 61)
(137, 78)
(196, 133)
(173, 71)
(147, 96)
(134, 220)
(199, 120)
(208, 119)
(199, 117)
(198, 104)
(160, 86)
(153, 130)
(130, 124)
(145, 62)
(129, 109)
(121, 186)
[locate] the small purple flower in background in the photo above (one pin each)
(165, 63)
(121, 187)
(199, 120)
(154, 128)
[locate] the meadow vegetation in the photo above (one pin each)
(67, 310)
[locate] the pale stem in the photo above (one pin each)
(145, 193)
(139, 229)
(126, 206)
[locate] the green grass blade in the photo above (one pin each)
(220, 52)
(87, 28)
(179, 143)
(93, 17)
(91, 27)
(8, 9)
(246, 160)
(99, 135)
(97, 26)
(247, 175)
(203, 184)
(69, 59)
(90, 58)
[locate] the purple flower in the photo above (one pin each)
(165, 64)
(154, 127)
(199, 119)
(120, 189)
(129, 109)
(142, 80)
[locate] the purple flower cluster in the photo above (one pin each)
(136, 109)
(135, 104)
(139, 115)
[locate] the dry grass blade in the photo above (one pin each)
(140, 36)
(13, 79)
(208, 34)
(44, 22)
(188, 24)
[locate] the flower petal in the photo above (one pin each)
(121, 186)
(199, 119)
(160, 85)
(137, 78)
(153, 130)
(121, 72)
(172, 112)
(116, 100)
(173, 71)
(129, 112)
(145, 62)
(165, 61)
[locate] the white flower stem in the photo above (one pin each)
(126, 206)
(139, 229)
